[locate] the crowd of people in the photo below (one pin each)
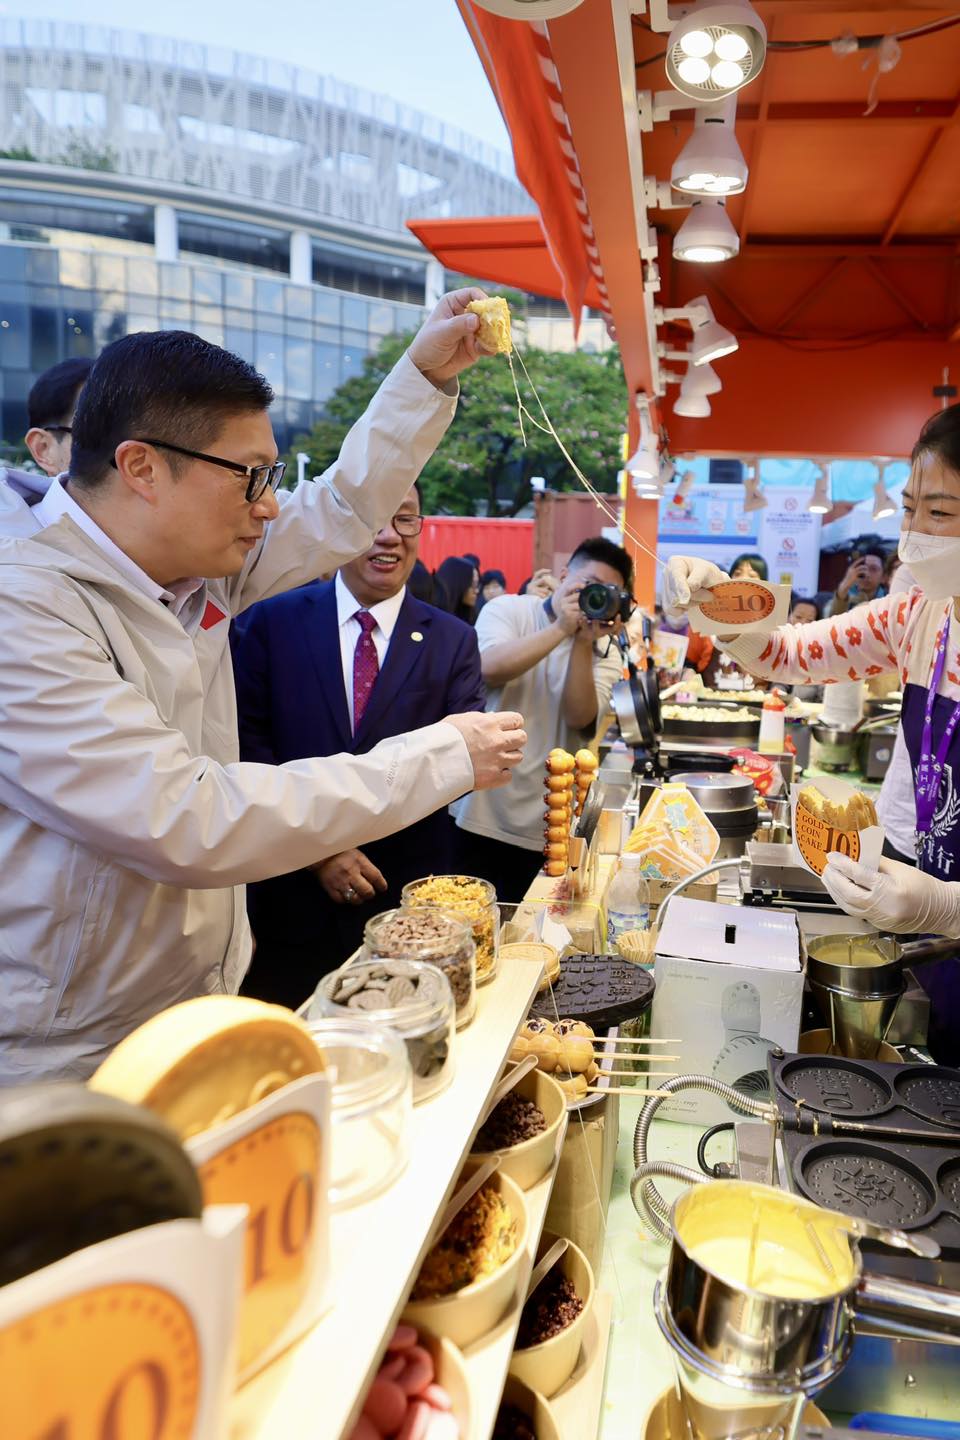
(219, 695)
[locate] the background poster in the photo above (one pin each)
(711, 522)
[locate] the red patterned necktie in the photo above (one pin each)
(366, 666)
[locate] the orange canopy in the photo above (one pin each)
(504, 249)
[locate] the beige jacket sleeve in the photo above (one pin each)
(86, 755)
(325, 522)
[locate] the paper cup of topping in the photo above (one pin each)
(535, 950)
(558, 1310)
(464, 1312)
(526, 1151)
(531, 1406)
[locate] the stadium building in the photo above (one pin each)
(149, 183)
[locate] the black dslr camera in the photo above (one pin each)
(606, 602)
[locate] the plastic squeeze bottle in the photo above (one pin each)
(628, 901)
(771, 724)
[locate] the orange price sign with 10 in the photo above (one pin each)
(130, 1339)
(274, 1159)
(741, 607)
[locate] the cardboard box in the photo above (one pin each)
(729, 987)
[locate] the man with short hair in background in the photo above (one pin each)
(336, 668)
(50, 406)
(544, 658)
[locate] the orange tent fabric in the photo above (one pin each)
(516, 58)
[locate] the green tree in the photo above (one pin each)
(482, 466)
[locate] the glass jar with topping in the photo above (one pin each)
(475, 900)
(370, 1107)
(410, 997)
(437, 936)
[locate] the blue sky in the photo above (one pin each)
(417, 51)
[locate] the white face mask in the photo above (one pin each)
(933, 561)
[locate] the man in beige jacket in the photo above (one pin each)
(128, 825)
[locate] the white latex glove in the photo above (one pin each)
(687, 579)
(896, 897)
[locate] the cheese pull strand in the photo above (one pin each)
(548, 429)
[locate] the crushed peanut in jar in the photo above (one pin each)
(474, 899)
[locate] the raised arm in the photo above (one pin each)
(327, 521)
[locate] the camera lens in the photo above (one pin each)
(600, 602)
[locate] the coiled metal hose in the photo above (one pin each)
(647, 1200)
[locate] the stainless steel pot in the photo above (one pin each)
(838, 747)
(857, 981)
(742, 1335)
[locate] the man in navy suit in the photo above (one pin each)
(338, 667)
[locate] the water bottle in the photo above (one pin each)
(628, 901)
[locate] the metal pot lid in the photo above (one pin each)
(715, 790)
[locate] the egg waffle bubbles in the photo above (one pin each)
(560, 798)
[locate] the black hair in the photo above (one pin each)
(453, 579)
(598, 548)
(796, 599)
(161, 384)
(523, 587)
(474, 560)
(489, 575)
(880, 551)
(54, 393)
(940, 436)
(420, 584)
(757, 561)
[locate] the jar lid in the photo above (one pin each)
(428, 996)
(370, 1059)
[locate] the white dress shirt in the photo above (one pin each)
(57, 503)
(385, 612)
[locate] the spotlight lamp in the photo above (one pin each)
(753, 496)
(711, 163)
(820, 502)
(707, 235)
(710, 340)
(692, 407)
(715, 49)
(883, 502)
(701, 380)
(644, 463)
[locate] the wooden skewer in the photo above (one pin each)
(644, 1074)
(656, 1058)
(645, 1040)
(628, 1090)
(557, 1250)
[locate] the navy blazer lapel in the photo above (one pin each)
(322, 637)
(403, 655)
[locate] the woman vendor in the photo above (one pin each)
(918, 635)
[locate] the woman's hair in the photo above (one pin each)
(757, 561)
(796, 600)
(421, 585)
(453, 579)
(940, 436)
(489, 575)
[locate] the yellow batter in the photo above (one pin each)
(757, 1238)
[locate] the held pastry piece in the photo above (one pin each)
(857, 812)
(494, 329)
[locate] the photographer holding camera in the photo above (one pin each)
(863, 580)
(555, 661)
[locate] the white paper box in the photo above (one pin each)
(130, 1330)
(729, 987)
(275, 1157)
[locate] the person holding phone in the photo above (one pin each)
(863, 580)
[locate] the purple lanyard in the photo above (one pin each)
(930, 768)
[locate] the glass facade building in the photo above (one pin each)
(149, 184)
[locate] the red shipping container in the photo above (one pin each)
(505, 545)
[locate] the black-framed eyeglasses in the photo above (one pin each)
(407, 524)
(57, 429)
(259, 478)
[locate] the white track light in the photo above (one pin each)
(701, 380)
(820, 502)
(883, 503)
(710, 340)
(644, 463)
(707, 235)
(711, 162)
(693, 407)
(719, 46)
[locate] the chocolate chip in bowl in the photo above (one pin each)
(525, 1129)
(475, 900)
(553, 1321)
(512, 1424)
